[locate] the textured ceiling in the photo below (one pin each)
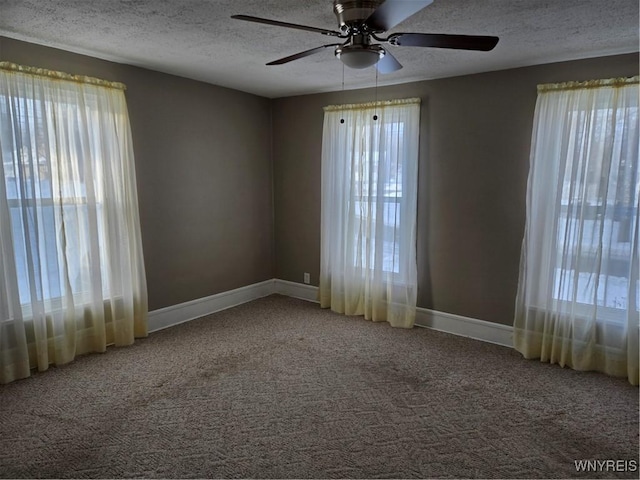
(197, 39)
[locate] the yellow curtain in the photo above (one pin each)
(72, 275)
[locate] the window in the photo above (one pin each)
(370, 176)
(44, 193)
(597, 213)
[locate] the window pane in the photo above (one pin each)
(598, 210)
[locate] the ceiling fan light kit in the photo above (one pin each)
(361, 21)
(359, 53)
(357, 56)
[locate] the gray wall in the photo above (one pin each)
(474, 160)
(203, 164)
(214, 164)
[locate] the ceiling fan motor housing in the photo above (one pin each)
(351, 14)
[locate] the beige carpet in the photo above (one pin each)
(280, 388)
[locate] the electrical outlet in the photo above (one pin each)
(307, 278)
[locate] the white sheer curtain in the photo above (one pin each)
(578, 298)
(71, 269)
(369, 202)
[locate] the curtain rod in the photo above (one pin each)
(43, 72)
(364, 106)
(609, 82)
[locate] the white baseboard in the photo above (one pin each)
(296, 290)
(184, 312)
(465, 326)
(441, 321)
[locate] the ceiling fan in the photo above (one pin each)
(362, 22)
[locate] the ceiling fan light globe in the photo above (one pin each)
(362, 57)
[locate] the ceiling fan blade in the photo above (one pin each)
(439, 40)
(306, 53)
(276, 23)
(392, 12)
(388, 63)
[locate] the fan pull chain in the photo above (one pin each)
(375, 116)
(342, 119)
